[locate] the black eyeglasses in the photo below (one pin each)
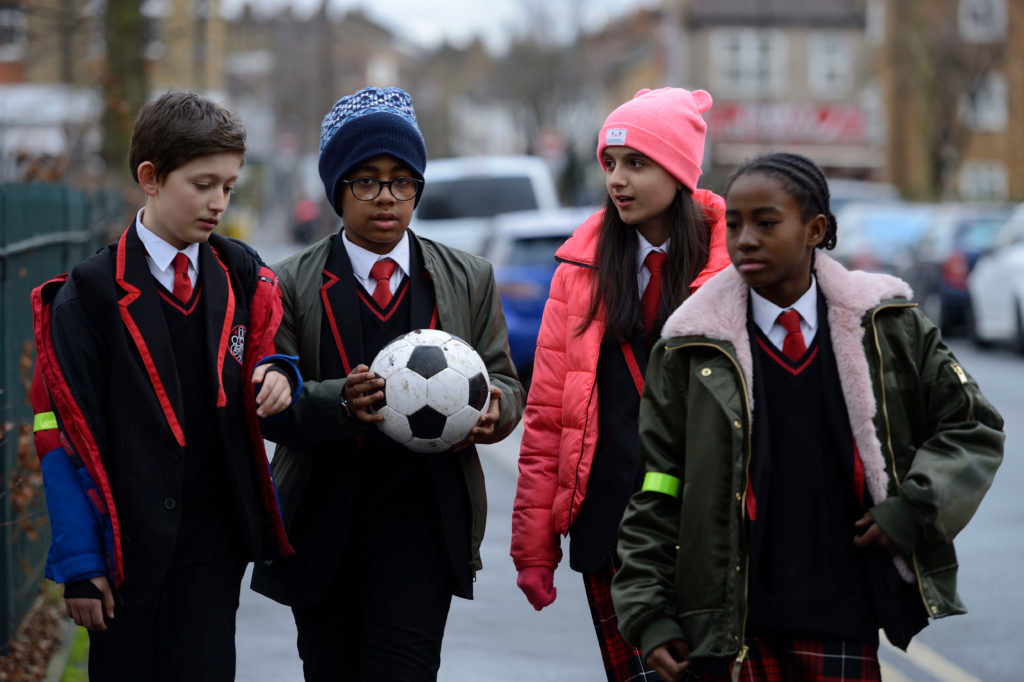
(368, 189)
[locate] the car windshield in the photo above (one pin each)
(475, 198)
(887, 230)
(534, 250)
(979, 234)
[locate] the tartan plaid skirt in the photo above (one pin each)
(622, 662)
(783, 659)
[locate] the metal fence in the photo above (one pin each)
(44, 230)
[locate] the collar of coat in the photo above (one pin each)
(718, 310)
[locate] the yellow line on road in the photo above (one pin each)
(931, 661)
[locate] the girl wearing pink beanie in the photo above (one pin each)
(620, 274)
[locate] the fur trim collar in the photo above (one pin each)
(718, 310)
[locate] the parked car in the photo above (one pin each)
(843, 191)
(523, 254)
(956, 236)
(462, 195)
(879, 237)
(996, 288)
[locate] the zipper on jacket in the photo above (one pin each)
(888, 434)
(579, 460)
(583, 433)
(738, 663)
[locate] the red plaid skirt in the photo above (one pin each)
(781, 659)
(622, 662)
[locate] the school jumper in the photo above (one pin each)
(926, 439)
(151, 451)
(343, 485)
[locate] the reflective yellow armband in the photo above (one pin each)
(44, 421)
(661, 483)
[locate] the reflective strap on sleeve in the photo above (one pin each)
(44, 421)
(661, 483)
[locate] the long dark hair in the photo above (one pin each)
(615, 289)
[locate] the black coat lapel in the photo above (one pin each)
(142, 314)
(421, 289)
(218, 302)
(341, 306)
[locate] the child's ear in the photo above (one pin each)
(816, 229)
(147, 178)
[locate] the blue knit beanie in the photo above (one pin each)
(364, 124)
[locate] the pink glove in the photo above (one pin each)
(537, 583)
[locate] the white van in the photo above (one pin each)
(462, 195)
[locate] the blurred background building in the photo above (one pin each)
(923, 94)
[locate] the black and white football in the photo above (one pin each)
(436, 387)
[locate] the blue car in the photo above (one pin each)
(522, 249)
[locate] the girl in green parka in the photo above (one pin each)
(811, 448)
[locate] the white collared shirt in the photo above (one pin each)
(643, 275)
(362, 260)
(160, 255)
(766, 315)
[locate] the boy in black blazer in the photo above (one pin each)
(151, 373)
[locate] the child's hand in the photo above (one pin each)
(669, 660)
(362, 389)
(87, 611)
(484, 429)
(873, 536)
(276, 393)
(538, 584)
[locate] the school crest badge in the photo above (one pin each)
(236, 344)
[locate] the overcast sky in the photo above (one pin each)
(428, 22)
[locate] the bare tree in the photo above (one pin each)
(938, 77)
(124, 82)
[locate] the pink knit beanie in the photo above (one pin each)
(665, 125)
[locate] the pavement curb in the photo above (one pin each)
(59, 661)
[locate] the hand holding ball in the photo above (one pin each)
(436, 388)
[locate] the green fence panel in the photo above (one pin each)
(44, 230)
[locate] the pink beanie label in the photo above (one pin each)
(615, 137)
(666, 125)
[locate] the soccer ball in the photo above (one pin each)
(436, 387)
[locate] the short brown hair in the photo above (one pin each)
(177, 127)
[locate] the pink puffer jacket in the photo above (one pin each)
(561, 411)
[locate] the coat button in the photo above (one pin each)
(169, 503)
(705, 372)
(739, 497)
(737, 424)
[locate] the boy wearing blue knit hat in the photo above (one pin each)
(383, 536)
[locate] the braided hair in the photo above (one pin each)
(802, 178)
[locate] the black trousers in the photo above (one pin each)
(384, 613)
(187, 630)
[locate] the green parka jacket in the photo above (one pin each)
(468, 306)
(929, 440)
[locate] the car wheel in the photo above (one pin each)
(972, 327)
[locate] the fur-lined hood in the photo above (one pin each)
(718, 311)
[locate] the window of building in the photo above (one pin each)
(830, 64)
(987, 110)
(983, 181)
(749, 62)
(13, 33)
(982, 21)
